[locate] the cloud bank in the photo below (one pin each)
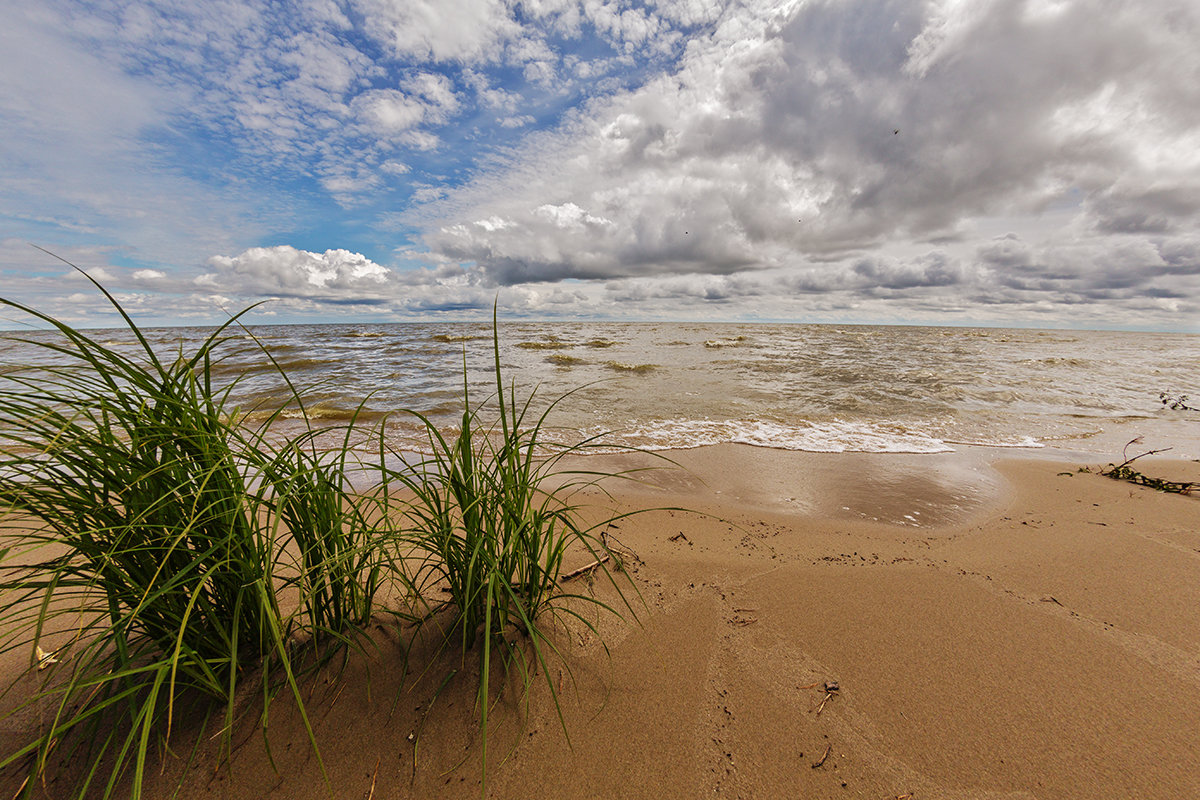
(821, 141)
(993, 161)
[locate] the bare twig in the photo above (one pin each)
(341, 689)
(575, 573)
(374, 775)
(618, 549)
(1137, 440)
(821, 761)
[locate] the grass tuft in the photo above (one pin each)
(145, 564)
(160, 553)
(493, 511)
(156, 534)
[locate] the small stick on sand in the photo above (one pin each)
(679, 536)
(828, 747)
(575, 573)
(374, 775)
(341, 689)
(825, 700)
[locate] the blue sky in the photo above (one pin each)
(947, 162)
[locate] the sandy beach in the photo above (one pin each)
(994, 629)
(839, 311)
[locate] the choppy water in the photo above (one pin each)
(802, 387)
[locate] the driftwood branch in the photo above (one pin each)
(575, 573)
(1124, 472)
(1128, 460)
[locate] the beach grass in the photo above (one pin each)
(146, 564)
(342, 542)
(495, 536)
(166, 555)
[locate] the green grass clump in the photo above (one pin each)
(343, 541)
(155, 529)
(161, 553)
(492, 511)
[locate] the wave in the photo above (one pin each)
(836, 436)
(634, 368)
(446, 338)
(294, 367)
(1022, 442)
(732, 341)
(331, 412)
(1057, 361)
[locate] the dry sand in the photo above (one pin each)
(1009, 630)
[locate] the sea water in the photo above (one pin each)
(821, 388)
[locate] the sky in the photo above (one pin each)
(951, 162)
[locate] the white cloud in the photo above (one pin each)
(76, 159)
(286, 271)
(493, 224)
(389, 111)
(347, 184)
(833, 138)
(101, 274)
(438, 93)
(517, 122)
(689, 12)
(441, 30)
(297, 92)
(948, 24)
(569, 216)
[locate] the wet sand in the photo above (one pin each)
(1011, 629)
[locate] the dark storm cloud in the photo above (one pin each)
(1148, 210)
